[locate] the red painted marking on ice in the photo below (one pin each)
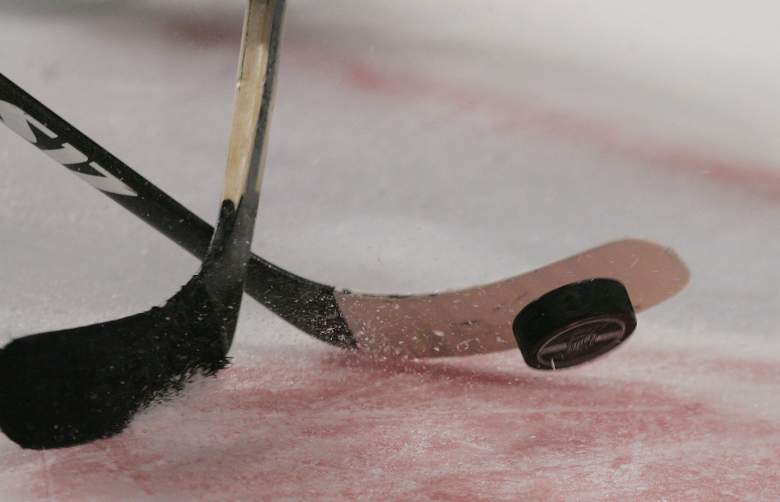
(515, 113)
(198, 30)
(339, 427)
(507, 114)
(742, 370)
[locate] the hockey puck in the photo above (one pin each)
(574, 324)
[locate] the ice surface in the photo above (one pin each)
(417, 146)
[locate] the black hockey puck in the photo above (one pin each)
(574, 324)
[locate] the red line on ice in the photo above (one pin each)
(335, 426)
(510, 114)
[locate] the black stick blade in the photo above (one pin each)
(69, 387)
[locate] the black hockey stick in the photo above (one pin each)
(307, 305)
(68, 387)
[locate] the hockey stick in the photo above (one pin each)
(310, 306)
(427, 325)
(68, 387)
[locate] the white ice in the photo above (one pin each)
(423, 145)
